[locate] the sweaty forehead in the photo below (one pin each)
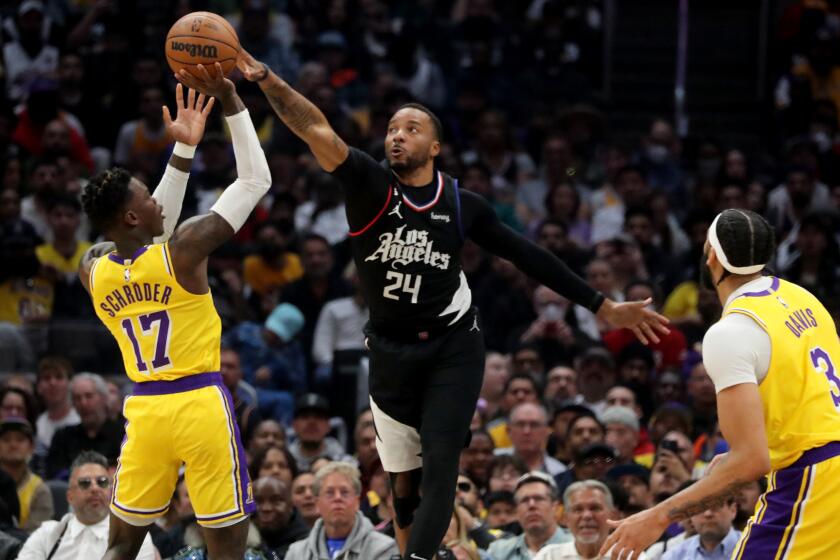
(411, 114)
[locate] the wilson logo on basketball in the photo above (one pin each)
(206, 51)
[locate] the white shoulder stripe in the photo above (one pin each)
(90, 274)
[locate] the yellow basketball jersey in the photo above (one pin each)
(801, 393)
(164, 332)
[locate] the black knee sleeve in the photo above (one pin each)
(404, 509)
(406, 497)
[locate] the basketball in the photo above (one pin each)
(201, 38)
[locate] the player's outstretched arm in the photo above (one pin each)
(187, 130)
(742, 423)
(197, 237)
(485, 228)
(96, 251)
(298, 113)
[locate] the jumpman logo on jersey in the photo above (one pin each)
(396, 210)
(474, 327)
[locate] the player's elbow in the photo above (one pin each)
(754, 463)
(260, 179)
(263, 179)
(761, 465)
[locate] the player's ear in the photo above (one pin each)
(130, 217)
(435, 148)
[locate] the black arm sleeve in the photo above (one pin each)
(483, 226)
(366, 184)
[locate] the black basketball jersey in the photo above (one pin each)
(409, 260)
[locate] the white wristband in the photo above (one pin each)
(183, 150)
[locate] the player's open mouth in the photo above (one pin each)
(395, 151)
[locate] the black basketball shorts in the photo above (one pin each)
(424, 387)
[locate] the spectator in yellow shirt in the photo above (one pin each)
(273, 266)
(60, 258)
(64, 253)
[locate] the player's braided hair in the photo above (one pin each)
(746, 238)
(105, 195)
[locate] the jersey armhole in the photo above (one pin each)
(169, 266)
(375, 218)
(751, 315)
(90, 274)
(167, 259)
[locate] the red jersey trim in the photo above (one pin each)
(375, 218)
(429, 204)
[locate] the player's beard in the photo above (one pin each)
(409, 163)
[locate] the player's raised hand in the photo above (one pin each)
(636, 316)
(252, 69)
(188, 126)
(209, 84)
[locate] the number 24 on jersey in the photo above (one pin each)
(406, 283)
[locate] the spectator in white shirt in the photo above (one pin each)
(83, 533)
(340, 326)
(53, 387)
(324, 213)
(27, 56)
(587, 507)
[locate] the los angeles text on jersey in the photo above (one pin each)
(134, 293)
(413, 247)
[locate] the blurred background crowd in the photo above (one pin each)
(609, 132)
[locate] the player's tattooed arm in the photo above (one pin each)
(192, 243)
(707, 502)
(89, 257)
(298, 113)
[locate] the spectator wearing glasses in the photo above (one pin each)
(528, 430)
(83, 533)
(469, 513)
(716, 538)
(342, 531)
(536, 501)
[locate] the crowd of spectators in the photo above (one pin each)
(576, 423)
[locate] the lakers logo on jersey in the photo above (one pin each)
(163, 331)
(250, 495)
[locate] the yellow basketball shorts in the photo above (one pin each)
(797, 518)
(188, 421)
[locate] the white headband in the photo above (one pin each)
(715, 243)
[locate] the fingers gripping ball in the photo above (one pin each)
(201, 38)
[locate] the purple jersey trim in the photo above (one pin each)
(773, 287)
(120, 260)
(187, 383)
